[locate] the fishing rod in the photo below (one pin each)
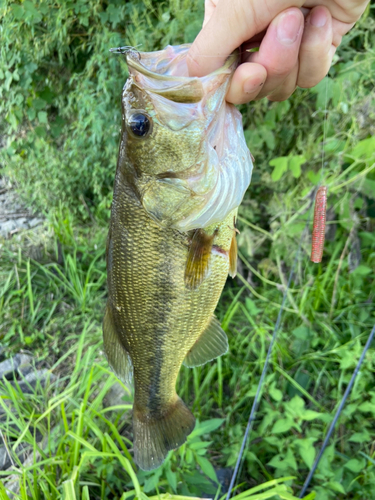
(338, 412)
(318, 236)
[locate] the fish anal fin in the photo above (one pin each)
(211, 344)
(155, 436)
(198, 260)
(116, 354)
(233, 257)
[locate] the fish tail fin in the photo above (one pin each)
(154, 437)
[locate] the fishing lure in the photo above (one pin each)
(319, 225)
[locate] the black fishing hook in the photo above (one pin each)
(127, 50)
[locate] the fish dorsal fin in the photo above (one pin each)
(116, 355)
(233, 257)
(198, 261)
(211, 344)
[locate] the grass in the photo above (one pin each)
(53, 306)
(53, 293)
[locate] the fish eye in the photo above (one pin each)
(140, 124)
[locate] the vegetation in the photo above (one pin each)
(60, 111)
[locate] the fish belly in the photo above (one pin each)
(155, 319)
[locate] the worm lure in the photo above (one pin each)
(319, 225)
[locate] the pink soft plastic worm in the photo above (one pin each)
(319, 225)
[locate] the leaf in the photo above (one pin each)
(302, 332)
(360, 437)
(362, 270)
(313, 177)
(364, 148)
(198, 445)
(207, 468)
(18, 11)
(310, 415)
(306, 450)
(282, 425)
(355, 465)
(38, 104)
(206, 427)
(275, 393)
(295, 163)
(251, 307)
(367, 407)
(172, 479)
(288, 462)
(152, 481)
(269, 138)
(335, 486)
(281, 166)
(42, 117)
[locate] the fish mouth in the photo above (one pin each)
(165, 73)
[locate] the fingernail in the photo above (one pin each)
(318, 18)
(288, 28)
(250, 85)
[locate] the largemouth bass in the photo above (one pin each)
(183, 168)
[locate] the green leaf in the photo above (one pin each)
(360, 437)
(356, 465)
(275, 393)
(362, 270)
(38, 104)
(200, 445)
(306, 450)
(281, 166)
(310, 415)
(172, 479)
(206, 427)
(207, 468)
(269, 138)
(251, 307)
(152, 481)
(367, 407)
(364, 148)
(282, 425)
(295, 163)
(18, 11)
(42, 117)
(313, 177)
(284, 463)
(336, 486)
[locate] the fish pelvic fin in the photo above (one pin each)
(117, 356)
(155, 436)
(211, 344)
(233, 257)
(199, 258)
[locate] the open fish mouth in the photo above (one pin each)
(165, 73)
(198, 189)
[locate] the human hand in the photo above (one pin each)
(297, 41)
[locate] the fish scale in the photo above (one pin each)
(164, 283)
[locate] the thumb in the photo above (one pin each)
(232, 23)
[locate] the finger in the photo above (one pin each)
(287, 88)
(339, 30)
(209, 8)
(247, 82)
(231, 23)
(315, 55)
(278, 52)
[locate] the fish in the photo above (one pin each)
(183, 168)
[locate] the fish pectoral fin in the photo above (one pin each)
(233, 257)
(116, 354)
(199, 258)
(210, 345)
